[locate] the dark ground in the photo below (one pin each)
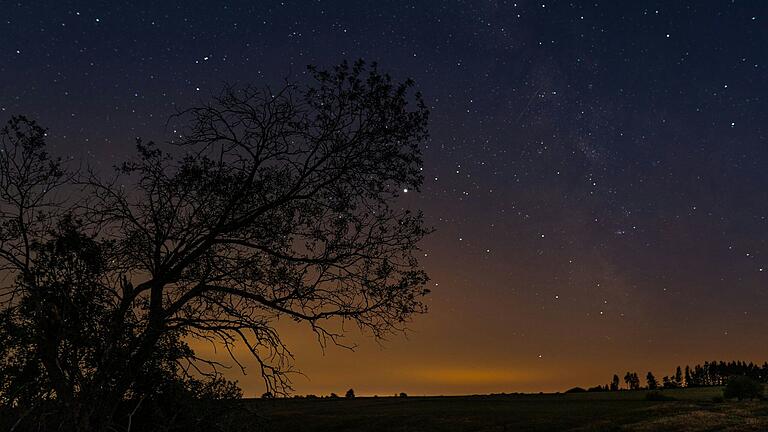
(626, 410)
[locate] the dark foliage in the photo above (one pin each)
(709, 374)
(632, 380)
(651, 381)
(717, 373)
(61, 317)
(668, 383)
(743, 387)
(615, 383)
(268, 205)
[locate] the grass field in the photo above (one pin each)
(693, 410)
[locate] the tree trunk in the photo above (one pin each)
(95, 412)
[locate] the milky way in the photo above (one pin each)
(596, 172)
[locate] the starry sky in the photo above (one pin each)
(596, 173)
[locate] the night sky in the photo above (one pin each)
(596, 174)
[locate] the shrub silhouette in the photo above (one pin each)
(743, 387)
(350, 394)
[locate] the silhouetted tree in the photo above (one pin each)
(764, 372)
(615, 383)
(666, 382)
(697, 377)
(61, 321)
(350, 394)
(632, 380)
(707, 374)
(267, 205)
(651, 380)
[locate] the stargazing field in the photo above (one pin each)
(692, 409)
(477, 203)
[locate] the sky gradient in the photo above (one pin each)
(596, 173)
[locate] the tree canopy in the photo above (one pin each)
(265, 205)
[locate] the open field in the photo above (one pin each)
(626, 410)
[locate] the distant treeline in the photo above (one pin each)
(715, 373)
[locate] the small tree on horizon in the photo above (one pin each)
(615, 383)
(350, 394)
(667, 382)
(678, 379)
(651, 380)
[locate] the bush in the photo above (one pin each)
(743, 387)
(657, 396)
(350, 394)
(403, 394)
